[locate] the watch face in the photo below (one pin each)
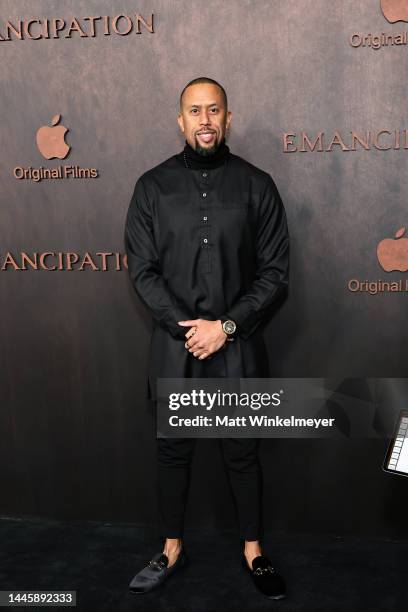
(229, 327)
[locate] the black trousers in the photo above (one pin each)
(244, 472)
(241, 460)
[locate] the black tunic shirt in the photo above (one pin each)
(207, 239)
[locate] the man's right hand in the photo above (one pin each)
(205, 337)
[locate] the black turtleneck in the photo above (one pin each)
(196, 161)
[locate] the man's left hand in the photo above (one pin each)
(207, 338)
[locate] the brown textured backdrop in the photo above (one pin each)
(76, 440)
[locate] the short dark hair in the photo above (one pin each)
(206, 80)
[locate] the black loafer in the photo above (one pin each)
(155, 572)
(266, 577)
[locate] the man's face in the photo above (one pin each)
(204, 118)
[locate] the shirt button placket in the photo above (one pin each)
(204, 219)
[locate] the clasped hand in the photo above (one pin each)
(204, 337)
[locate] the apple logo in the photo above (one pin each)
(392, 253)
(395, 10)
(51, 140)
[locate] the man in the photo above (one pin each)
(208, 253)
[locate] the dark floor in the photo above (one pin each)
(98, 560)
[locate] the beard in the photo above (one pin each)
(206, 152)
